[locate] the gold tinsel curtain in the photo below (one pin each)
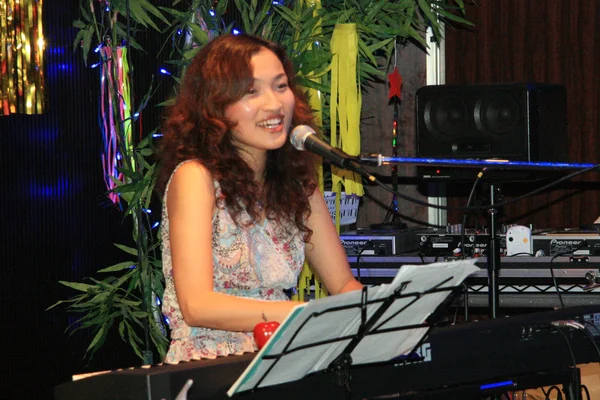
(21, 57)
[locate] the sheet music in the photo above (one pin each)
(318, 321)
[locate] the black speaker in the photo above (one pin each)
(513, 121)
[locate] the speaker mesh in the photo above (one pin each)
(515, 121)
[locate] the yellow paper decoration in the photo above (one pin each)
(346, 104)
(21, 57)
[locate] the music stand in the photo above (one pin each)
(375, 325)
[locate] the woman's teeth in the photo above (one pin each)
(271, 123)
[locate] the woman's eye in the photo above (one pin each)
(252, 91)
(283, 86)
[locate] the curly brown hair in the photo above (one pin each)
(196, 128)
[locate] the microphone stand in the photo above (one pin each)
(493, 263)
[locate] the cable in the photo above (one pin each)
(587, 392)
(490, 206)
(557, 328)
(463, 228)
(554, 281)
(562, 303)
(369, 242)
(549, 392)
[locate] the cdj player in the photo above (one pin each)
(368, 242)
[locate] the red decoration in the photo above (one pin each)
(263, 332)
(395, 80)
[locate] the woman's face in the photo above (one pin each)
(264, 114)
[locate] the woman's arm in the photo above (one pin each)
(190, 205)
(325, 251)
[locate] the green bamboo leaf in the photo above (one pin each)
(77, 42)
(154, 11)
(138, 13)
(366, 52)
(198, 34)
(221, 7)
(307, 83)
(87, 41)
(190, 54)
(126, 249)
(69, 301)
(374, 47)
(79, 24)
(453, 17)
(98, 340)
(82, 287)
(118, 267)
(121, 31)
(369, 69)
(146, 152)
(288, 15)
(122, 330)
(177, 15)
(131, 174)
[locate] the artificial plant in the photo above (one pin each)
(127, 299)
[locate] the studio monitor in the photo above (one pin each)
(514, 121)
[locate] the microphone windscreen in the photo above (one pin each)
(299, 135)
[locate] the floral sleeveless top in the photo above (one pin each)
(258, 261)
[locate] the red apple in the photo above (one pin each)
(263, 332)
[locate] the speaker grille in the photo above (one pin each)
(525, 122)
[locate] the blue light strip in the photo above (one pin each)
(497, 385)
(476, 163)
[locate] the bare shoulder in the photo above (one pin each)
(192, 180)
(192, 169)
(192, 173)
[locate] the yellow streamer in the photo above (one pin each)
(21, 57)
(346, 103)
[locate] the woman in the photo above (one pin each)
(241, 206)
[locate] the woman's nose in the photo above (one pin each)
(272, 100)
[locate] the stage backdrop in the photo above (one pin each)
(57, 223)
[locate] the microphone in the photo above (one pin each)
(303, 137)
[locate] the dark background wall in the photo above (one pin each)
(57, 225)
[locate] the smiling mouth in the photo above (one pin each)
(271, 123)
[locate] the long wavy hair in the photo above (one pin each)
(196, 128)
